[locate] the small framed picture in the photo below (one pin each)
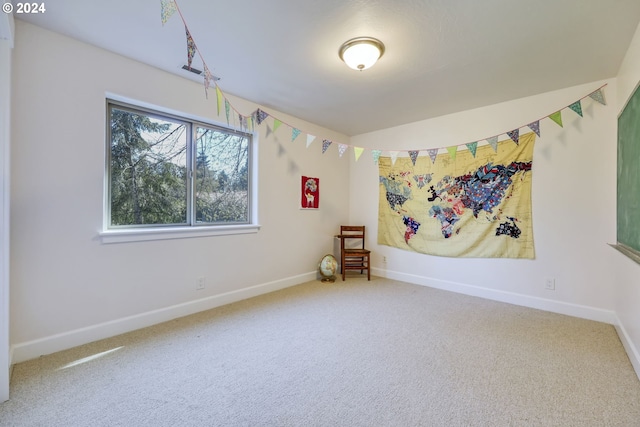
(310, 193)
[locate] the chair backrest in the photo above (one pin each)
(352, 236)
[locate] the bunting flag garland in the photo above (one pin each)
(473, 147)
(394, 156)
(493, 142)
(167, 9)
(414, 156)
(310, 139)
(325, 144)
(557, 117)
(191, 47)
(376, 156)
(535, 126)
(433, 153)
(577, 107)
(598, 96)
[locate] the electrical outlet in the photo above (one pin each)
(384, 259)
(550, 283)
(200, 283)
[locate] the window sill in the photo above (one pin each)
(141, 235)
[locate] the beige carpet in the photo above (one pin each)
(354, 353)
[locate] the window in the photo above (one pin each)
(167, 172)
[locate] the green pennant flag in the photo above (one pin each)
(598, 96)
(577, 107)
(276, 124)
(227, 109)
(294, 134)
(473, 147)
(557, 117)
(357, 151)
(219, 97)
(452, 151)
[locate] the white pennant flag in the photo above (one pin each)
(394, 156)
(310, 139)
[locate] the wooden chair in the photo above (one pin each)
(353, 255)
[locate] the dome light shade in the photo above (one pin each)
(361, 53)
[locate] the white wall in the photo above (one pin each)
(573, 204)
(625, 273)
(6, 29)
(66, 286)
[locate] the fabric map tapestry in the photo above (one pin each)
(468, 203)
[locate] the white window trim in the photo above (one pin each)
(140, 235)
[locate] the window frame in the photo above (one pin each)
(143, 232)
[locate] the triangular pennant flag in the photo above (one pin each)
(325, 144)
(452, 151)
(493, 142)
(577, 107)
(191, 47)
(276, 124)
(167, 9)
(207, 80)
(598, 96)
(557, 117)
(376, 155)
(358, 152)
(473, 147)
(414, 156)
(514, 135)
(535, 126)
(260, 116)
(433, 153)
(220, 97)
(394, 156)
(341, 149)
(243, 122)
(310, 139)
(250, 123)
(294, 134)
(227, 109)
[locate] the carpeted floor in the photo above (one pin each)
(354, 353)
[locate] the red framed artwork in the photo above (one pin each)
(310, 193)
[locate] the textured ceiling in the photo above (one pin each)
(442, 56)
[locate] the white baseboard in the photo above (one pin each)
(632, 351)
(22, 352)
(575, 310)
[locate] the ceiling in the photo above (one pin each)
(442, 56)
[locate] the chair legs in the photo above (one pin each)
(361, 264)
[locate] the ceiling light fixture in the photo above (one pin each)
(361, 53)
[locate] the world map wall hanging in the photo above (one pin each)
(469, 203)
